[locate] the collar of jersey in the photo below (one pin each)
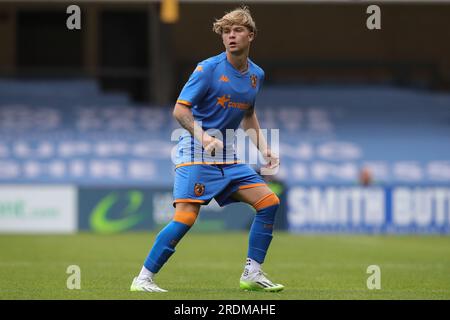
(236, 71)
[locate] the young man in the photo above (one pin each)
(219, 95)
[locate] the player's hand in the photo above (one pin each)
(273, 160)
(211, 144)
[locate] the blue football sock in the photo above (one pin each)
(164, 245)
(261, 233)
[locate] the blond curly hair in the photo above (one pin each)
(239, 16)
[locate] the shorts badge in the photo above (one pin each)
(199, 189)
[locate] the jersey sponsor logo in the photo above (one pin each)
(199, 189)
(254, 80)
(224, 78)
(225, 102)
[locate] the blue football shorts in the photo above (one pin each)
(199, 183)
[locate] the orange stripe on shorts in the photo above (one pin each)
(268, 200)
(187, 218)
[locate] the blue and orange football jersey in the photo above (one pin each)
(219, 96)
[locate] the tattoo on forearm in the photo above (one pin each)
(187, 122)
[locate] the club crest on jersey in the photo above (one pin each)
(199, 189)
(254, 80)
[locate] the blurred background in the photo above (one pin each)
(86, 115)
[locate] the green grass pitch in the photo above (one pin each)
(208, 266)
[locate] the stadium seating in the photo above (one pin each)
(327, 133)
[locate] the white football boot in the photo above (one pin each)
(146, 285)
(257, 281)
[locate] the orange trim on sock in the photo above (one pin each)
(248, 186)
(187, 218)
(268, 200)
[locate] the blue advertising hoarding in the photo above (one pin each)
(395, 209)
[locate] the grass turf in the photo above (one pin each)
(208, 266)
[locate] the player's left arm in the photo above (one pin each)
(251, 125)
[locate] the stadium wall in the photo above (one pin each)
(312, 42)
(306, 42)
(326, 209)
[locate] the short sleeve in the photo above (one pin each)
(196, 87)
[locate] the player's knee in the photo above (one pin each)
(185, 217)
(268, 200)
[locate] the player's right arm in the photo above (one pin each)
(184, 116)
(192, 94)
